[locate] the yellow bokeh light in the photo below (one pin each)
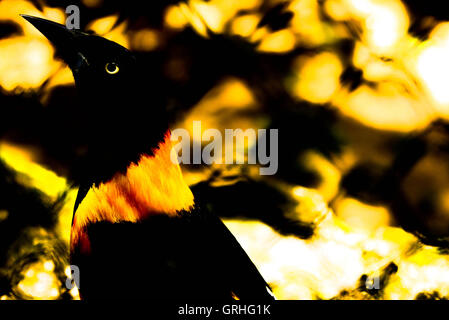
(30, 51)
(18, 56)
(385, 22)
(228, 96)
(210, 14)
(337, 9)
(75, 293)
(174, 18)
(389, 107)
(223, 108)
(433, 69)
(54, 14)
(298, 269)
(64, 224)
(39, 283)
(39, 177)
(63, 76)
(92, 3)
(194, 19)
(145, 40)
(68, 271)
(3, 215)
(278, 42)
(306, 22)
(329, 175)
(311, 206)
(216, 13)
(424, 271)
(338, 255)
(245, 25)
(362, 216)
(49, 266)
(104, 27)
(318, 77)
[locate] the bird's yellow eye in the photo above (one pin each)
(112, 68)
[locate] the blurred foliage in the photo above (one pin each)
(357, 89)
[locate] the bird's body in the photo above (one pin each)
(141, 235)
(137, 231)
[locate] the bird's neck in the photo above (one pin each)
(117, 126)
(153, 185)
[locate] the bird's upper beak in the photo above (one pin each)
(65, 41)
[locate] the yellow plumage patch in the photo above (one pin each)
(152, 186)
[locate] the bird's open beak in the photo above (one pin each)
(65, 41)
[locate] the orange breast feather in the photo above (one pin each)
(152, 186)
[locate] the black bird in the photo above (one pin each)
(137, 231)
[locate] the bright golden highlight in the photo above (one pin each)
(174, 18)
(38, 177)
(339, 253)
(385, 23)
(278, 42)
(432, 67)
(21, 54)
(306, 23)
(362, 216)
(145, 40)
(104, 27)
(40, 282)
(245, 25)
(318, 77)
(387, 107)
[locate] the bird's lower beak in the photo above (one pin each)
(64, 40)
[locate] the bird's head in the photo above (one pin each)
(118, 116)
(97, 63)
